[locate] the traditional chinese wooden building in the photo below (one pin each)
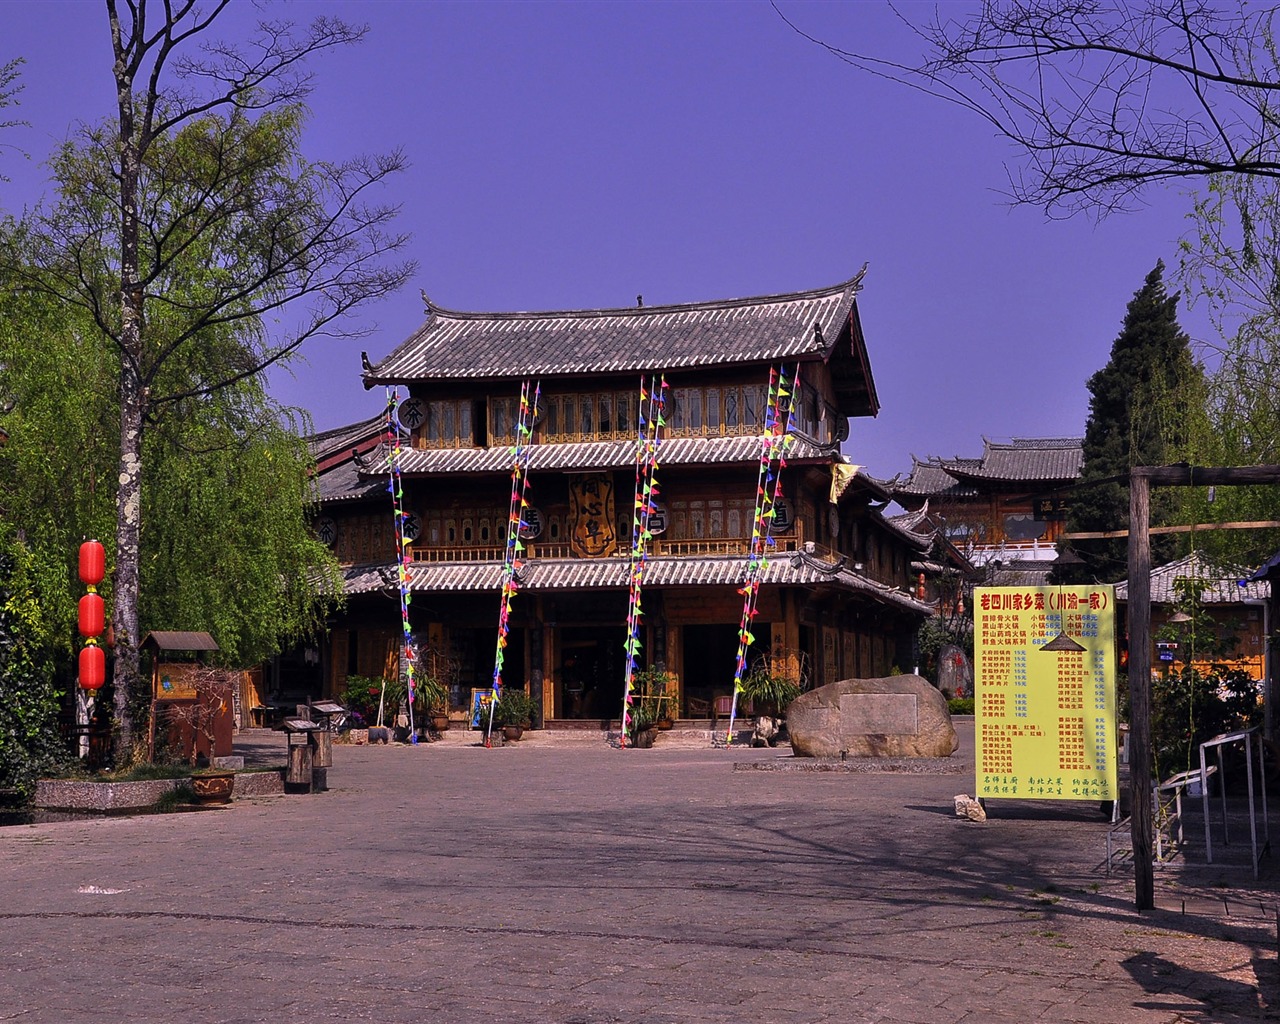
(1008, 506)
(1237, 603)
(835, 600)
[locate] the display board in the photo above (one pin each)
(1045, 720)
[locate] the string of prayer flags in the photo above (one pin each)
(774, 443)
(403, 555)
(650, 423)
(517, 523)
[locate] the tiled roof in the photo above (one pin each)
(607, 573)
(929, 479)
(348, 482)
(676, 451)
(800, 325)
(1017, 573)
(911, 521)
(1022, 460)
(1221, 582)
(343, 439)
(179, 640)
(923, 541)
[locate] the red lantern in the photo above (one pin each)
(93, 667)
(91, 615)
(92, 563)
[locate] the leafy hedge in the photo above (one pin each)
(30, 745)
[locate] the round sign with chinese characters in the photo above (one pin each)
(782, 520)
(411, 412)
(326, 531)
(412, 527)
(531, 524)
(658, 520)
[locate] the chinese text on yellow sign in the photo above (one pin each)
(1046, 720)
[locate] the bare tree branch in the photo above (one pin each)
(1104, 97)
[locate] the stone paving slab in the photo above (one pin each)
(591, 886)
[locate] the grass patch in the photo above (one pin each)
(174, 799)
(146, 772)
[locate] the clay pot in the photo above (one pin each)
(213, 787)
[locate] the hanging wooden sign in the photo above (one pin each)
(592, 532)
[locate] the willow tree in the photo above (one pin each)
(228, 491)
(1231, 264)
(194, 234)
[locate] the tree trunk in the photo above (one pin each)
(133, 400)
(124, 616)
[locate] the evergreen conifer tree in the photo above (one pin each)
(1140, 406)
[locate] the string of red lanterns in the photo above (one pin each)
(93, 661)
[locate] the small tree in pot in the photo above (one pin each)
(514, 712)
(199, 722)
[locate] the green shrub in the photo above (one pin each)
(960, 705)
(361, 696)
(769, 691)
(514, 707)
(1189, 707)
(30, 745)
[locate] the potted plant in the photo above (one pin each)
(767, 692)
(654, 690)
(364, 697)
(642, 725)
(430, 693)
(514, 712)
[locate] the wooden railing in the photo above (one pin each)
(793, 541)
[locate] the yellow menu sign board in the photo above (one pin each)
(1045, 721)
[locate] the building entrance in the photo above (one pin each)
(591, 671)
(710, 654)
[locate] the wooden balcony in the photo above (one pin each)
(704, 547)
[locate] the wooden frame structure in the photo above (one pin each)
(1141, 480)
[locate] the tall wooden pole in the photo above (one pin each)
(1140, 685)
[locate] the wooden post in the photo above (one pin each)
(1140, 686)
(299, 764)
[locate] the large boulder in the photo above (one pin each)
(897, 716)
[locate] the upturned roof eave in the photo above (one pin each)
(810, 345)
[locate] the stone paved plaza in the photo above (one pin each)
(580, 884)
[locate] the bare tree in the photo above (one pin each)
(1103, 97)
(9, 89)
(201, 243)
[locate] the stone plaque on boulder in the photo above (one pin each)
(897, 716)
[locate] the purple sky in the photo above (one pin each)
(569, 156)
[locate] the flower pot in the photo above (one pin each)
(213, 787)
(643, 738)
(665, 723)
(440, 722)
(512, 732)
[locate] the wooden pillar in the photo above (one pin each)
(548, 651)
(791, 628)
(1140, 686)
(1271, 654)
